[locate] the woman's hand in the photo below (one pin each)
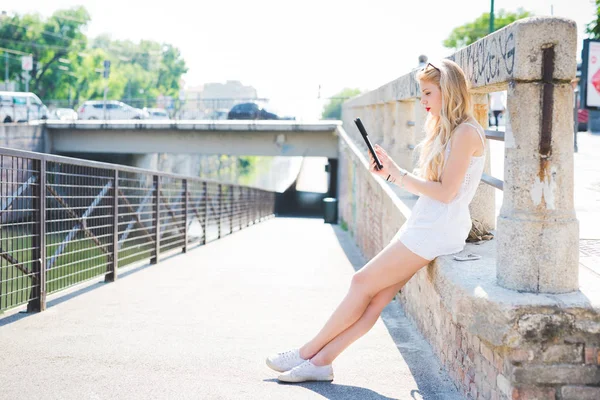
(389, 166)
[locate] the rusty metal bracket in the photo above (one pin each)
(547, 101)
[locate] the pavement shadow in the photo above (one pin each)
(333, 391)
(81, 289)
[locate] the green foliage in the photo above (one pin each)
(593, 28)
(473, 31)
(68, 67)
(333, 109)
(56, 39)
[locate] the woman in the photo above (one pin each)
(450, 167)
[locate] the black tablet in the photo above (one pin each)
(363, 132)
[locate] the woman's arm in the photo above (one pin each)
(465, 142)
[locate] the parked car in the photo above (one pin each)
(94, 109)
(250, 111)
(157, 113)
(21, 107)
(63, 114)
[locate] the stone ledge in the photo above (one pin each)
(504, 317)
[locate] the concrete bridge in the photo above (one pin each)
(521, 323)
(263, 138)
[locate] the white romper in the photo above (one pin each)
(435, 228)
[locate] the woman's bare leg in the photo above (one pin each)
(334, 348)
(395, 264)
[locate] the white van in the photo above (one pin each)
(94, 109)
(21, 107)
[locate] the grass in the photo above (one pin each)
(80, 260)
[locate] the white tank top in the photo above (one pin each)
(435, 228)
(454, 216)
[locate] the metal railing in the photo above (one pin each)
(64, 221)
(490, 180)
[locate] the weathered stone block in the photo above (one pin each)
(579, 393)
(556, 374)
(534, 393)
(544, 327)
(520, 355)
(591, 355)
(563, 353)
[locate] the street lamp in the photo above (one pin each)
(492, 17)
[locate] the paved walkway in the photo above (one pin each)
(199, 326)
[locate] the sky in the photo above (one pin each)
(287, 49)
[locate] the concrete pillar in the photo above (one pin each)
(420, 115)
(145, 161)
(362, 113)
(388, 110)
(404, 134)
(375, 126)
(483, 206)
(538, 233)
(182, 164)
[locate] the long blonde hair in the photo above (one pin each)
(456, 109)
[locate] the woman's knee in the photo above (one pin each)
(361, 283)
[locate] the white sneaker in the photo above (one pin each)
(285, 361)
(307, 371)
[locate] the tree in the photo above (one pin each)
(471, 32)
(333, 109)
(66, 67)
(593, 28)
(50, 42)
(142, 71)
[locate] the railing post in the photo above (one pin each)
(186, 211)
(231, 188)
(257, 206)
(248, 206)
(39, 240)
(111, 276)
(205, 199)
(538, 232)
(253, 205)
(154, 259)
(220, 207)
(241, 207)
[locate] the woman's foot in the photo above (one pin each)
(307, 371)
(285, 361)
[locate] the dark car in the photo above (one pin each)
(249, 111)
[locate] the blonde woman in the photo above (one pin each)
(450, 167)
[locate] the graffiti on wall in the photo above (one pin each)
(488, 59)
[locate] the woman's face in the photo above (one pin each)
(431, 97)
